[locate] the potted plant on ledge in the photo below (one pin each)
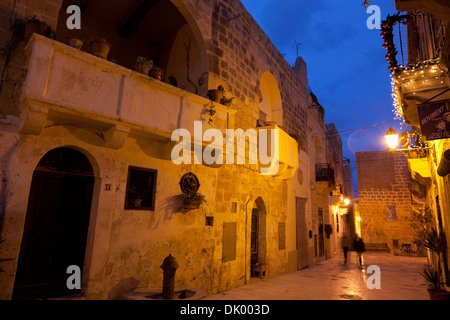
(75, 43)
(435, 286)
(192, 201)
(216, 95)
(34, 25)
(143, 65)
(100, 48)
(226, 101)
(435, 243)
(157, 73)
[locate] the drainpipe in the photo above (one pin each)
(246, 236)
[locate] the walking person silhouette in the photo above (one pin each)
(358, 244)
(345, 247)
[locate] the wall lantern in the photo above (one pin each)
(392, 138)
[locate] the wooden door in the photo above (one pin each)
(55, 234)
(254, 239)
(302, 234)
(320, 230)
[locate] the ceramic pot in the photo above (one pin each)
(30, 28)
(76, 43)
(215, 95)
(270, 123)
(100, 49)
(143, 68)
(439, 295)
(191, 204)
(156, 73)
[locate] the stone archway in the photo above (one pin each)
(257, 235)
(56, 224)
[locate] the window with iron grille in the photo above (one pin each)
(141, 189)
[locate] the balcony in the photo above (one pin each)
(439, 8)
(424, 54)
(287, 153)
(418, 163)
(415, 85)
(66, 86)
(324, 173)
(419, 167)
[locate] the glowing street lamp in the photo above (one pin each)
(392, 138)
(346, 201)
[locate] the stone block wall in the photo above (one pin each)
(239, 52)
(383, 179)
(131, 246)
(12, 56)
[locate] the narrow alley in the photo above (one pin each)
(400, 279)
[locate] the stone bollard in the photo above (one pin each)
(169, 266)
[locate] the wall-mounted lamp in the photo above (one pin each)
(392, 138)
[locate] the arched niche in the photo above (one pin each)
(270, 103)
(185, 63)
(156, 30)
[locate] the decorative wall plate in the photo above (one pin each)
(189, 183)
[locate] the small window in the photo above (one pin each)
(391, 213)
(141, 189)
(233, 207)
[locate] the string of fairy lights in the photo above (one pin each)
(408, 79)
(413, 77)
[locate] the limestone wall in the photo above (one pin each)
(126, 247)
(383, 179)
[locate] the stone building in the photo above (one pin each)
(327, 218)
(385, 203)
(87, 150)
(420, 81)
(341, 199)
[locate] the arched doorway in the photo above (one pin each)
(56, 225)
(258, 236)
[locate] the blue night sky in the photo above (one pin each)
(347, 68)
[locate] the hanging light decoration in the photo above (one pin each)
(387, 32)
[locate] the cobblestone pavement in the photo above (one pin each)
(334, 280)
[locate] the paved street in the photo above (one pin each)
(334, 280)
